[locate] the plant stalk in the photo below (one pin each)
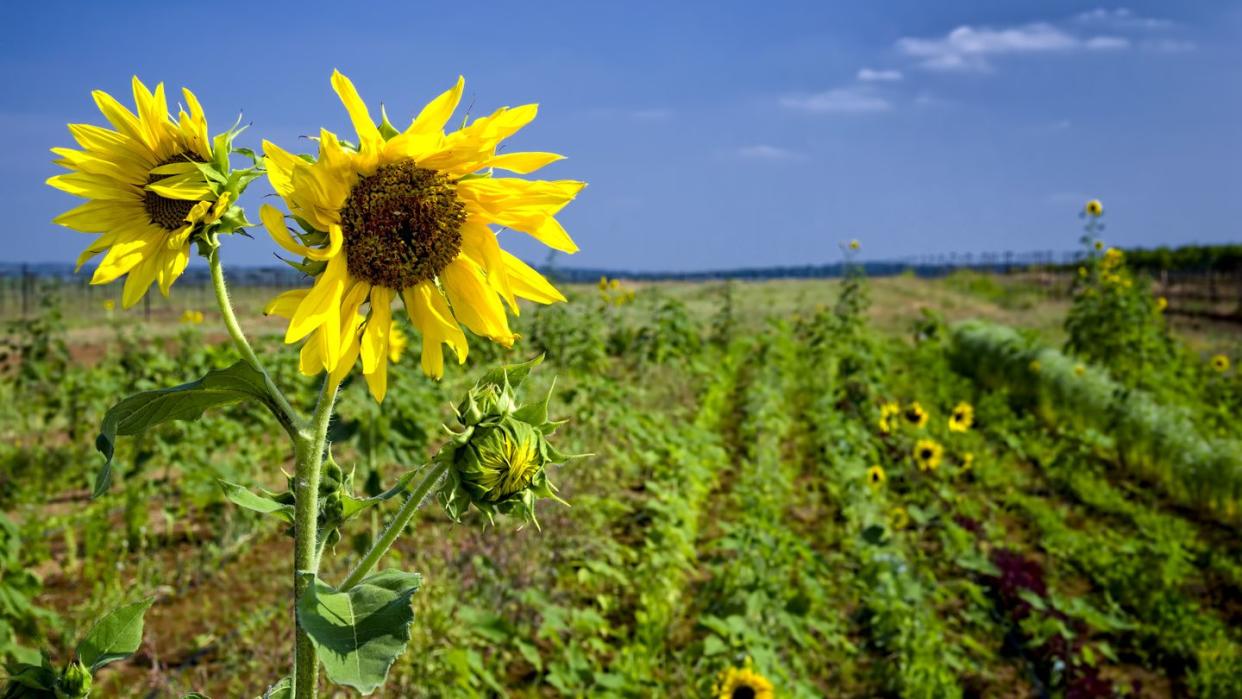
(308, 473)
(411, 506)
(279, 404)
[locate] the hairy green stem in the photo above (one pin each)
(279, 404)
(310, 452)
(407, 511)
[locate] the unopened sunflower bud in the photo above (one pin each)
(497, 462)
(74, 682)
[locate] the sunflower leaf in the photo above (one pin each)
(361, 632)
(117, 635)
(186, 402)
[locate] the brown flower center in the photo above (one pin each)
(743, 693)
(166, 213)
(402, 225)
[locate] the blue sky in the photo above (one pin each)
(713, 134)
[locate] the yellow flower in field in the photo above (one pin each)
(189, 317)
(147, 195)
(962, 418)
(1161, 304)
(1082, 272)
(968, 460)
(1035, 366)
(408, 214)
(397, 342)
(1099, 245)
(927, 454)
(109, 305)
(603, 283)
(854, 245)
(876, 477)
(915, 415)
(1094, 208)
(1079, 370)
(899, 518)
(1220, 363)
(743, 683)
(888, 411)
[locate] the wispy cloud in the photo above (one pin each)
(767, 152)
(840, 100)
(1168, 45)
(969, 48)
(870, 75)
(653, 114)
(1121, 18)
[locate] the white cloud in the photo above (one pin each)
(767, 152)
(1122, 18)
(654, 114)
(868, 75)
(968, 48)
(840, 100)
(1168, 45)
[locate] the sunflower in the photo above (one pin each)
(855, 245)
(915, 415)
(899, 518)
(408, 214)
(962, 418)
(927, 453)
(147, 188)
(968, 461)
(743, 683)
(1161, 304)
(1094, 208)
(190, 317)
(1079, 370)
(1098, 245)
(888, 411)
(876, 477)
(1220, 363)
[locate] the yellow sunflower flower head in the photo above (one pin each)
(742, 683)
(888, 412)
(962, 418)
(855, 245)
(153, 186)
(1094, 208)
(497, 461)
(915, 415)
(927, 454)
(191, 317)
(899, 518)
(109, 306)
(876, 477)
(1162, 303)
(1079, 370)
(1220, 363)
(408, 215)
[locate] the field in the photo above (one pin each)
(780, 474)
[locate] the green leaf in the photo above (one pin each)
(354, 505)
(117, 635)
(281, 690)
(145, 410)
(712, 645)
(27, 681)
(360, 633)
(265, 503)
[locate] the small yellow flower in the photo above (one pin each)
(876, 477)
(603, 283)
(189, 317)
(1079, 370)
(1094, 208)
(1220, 363)
(888, 411)
(854, 244)
(968, 460)
(899, 518)
(397, 342)
(1035, 366)
(109, 305)
(1099, 245)
(1161, 304)
(915, 415)
(1082, 272)
(927, 454)
(743, 683)
(962, 418)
